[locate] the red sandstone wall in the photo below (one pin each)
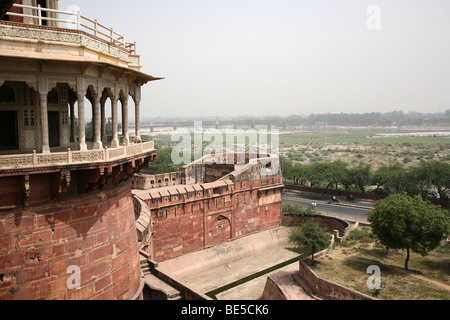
(328, 289)
(208, 220)
(96, 232)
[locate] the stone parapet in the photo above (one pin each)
(55, 38)
(327, 289)
(339, 228)
(34, 160)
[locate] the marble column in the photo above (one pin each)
(137, 106)
(104, 138)
(98, 145)
(115, 122)
(125, 130)
(81, 123)
(44, 122)
(72, 120)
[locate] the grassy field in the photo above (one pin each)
(367, 147)
(354, 147)
(359, 137)
(428, 277)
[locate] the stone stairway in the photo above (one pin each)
(159, 289)
(145, 267)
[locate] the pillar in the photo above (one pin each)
(115, 136)
(72, 120)
(98, 145)
(137, 112)
(44, 122)
(125, 130)
(104, 138)
(81, 123)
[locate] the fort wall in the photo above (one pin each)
(189, 218)
(326, 289)
(184, 218)
(339, 228)
(95, 232)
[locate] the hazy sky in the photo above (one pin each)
(283, 57)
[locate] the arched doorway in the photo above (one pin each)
(219, 231)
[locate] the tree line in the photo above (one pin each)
(394, 118)
(429, 179)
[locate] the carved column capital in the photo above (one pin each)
(43, 95)
(43, 84)
(81, 96)
(137, 95)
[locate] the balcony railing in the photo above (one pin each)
(75, 21)
(36, 160)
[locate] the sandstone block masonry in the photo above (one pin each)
(183, 218)
(95, 232)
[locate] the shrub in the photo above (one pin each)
(298, 210)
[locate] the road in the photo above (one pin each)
(348, 210)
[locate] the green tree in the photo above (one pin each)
(360, 176)
(335, 173)
(287, 168)
(391, 179)
(288, 207)
(163, 163)
(298, 210)
(314, 173)
(433, 177)
(298, 171)
(310, 235)
(405, 222)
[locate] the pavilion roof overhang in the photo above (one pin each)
(132, 75)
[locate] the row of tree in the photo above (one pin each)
(430, 179)
(394, 118)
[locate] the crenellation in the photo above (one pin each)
(209, 213)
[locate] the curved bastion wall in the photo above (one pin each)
(42, 246)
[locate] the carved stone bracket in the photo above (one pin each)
(72, 180)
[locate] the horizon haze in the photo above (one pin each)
(279, 58)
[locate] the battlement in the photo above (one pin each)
(182, 216)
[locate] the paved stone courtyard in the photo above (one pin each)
(231, 269)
